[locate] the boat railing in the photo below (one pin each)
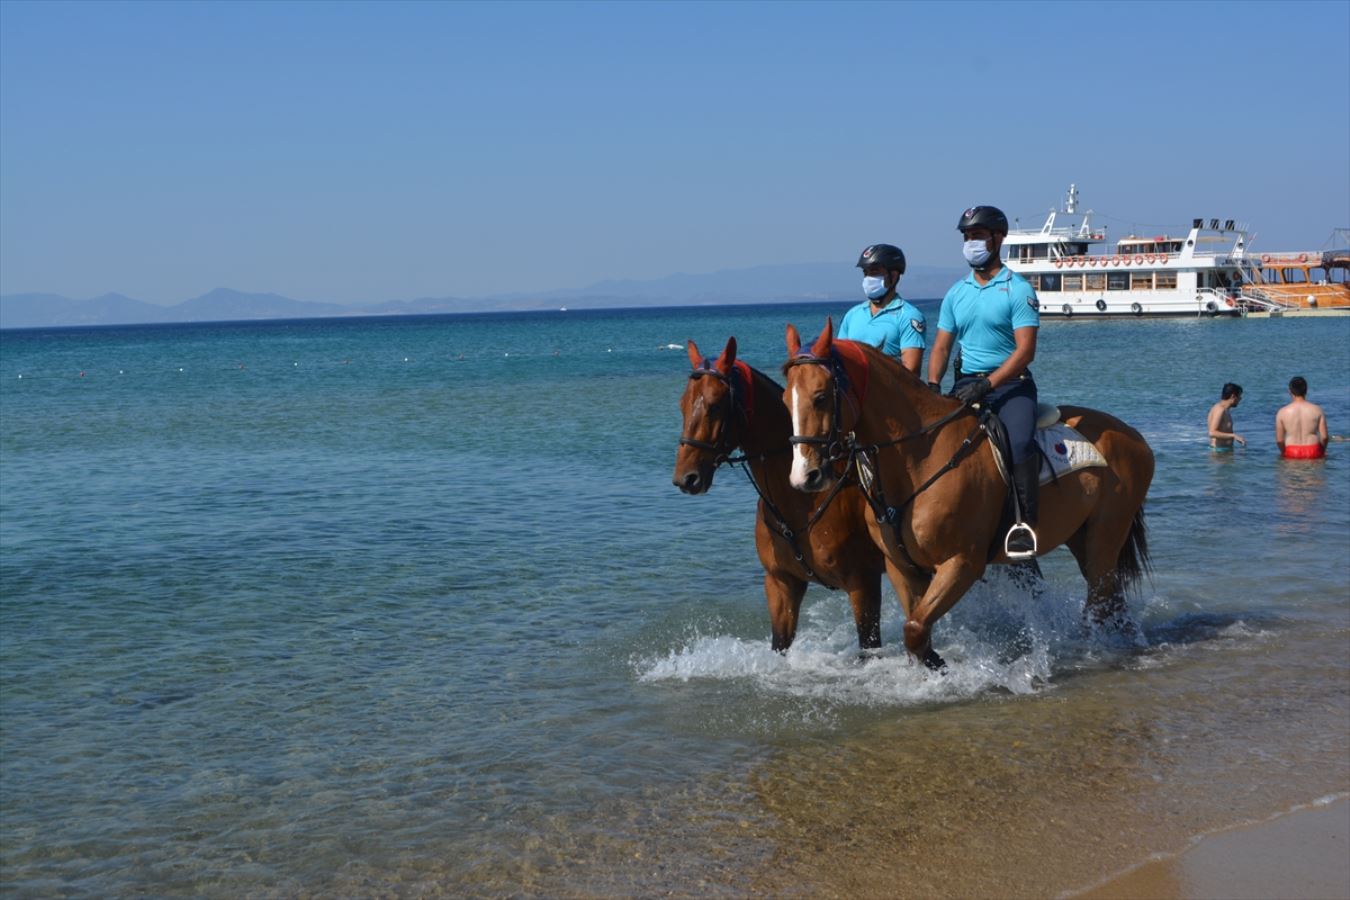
(1257, 299)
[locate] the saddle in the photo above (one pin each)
(1061, 450)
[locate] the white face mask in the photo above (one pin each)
(874, 287)
(976, 253)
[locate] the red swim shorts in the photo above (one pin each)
(1304, 451)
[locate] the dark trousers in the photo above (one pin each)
(1015, 405)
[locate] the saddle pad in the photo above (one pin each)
(1063, 450)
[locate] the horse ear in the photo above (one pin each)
(821, 348)
(694, 358)
(794, 340)
(728, 357)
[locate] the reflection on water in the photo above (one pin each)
(1300, 495)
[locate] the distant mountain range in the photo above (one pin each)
(800, 282)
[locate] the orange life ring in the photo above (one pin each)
(1081, 262)
(1265, 258)
(1115, 260)
(1303, 257)
(1162, 259)
(1150, 258)
(1093, 262)
(1139, 260)
(1229, 301)
(1058, 262)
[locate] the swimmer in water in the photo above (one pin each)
(1221, 434)
(1301, 426)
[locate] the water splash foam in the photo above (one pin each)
(998, 639)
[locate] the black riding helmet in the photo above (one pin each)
(887, 255)
(990, 217)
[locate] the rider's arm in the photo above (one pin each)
(1021, 357)
(912, 358)
(937, 360)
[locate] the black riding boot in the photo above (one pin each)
(1020, 542)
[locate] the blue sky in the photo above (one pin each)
(353, 152)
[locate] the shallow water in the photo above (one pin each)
(322, 608)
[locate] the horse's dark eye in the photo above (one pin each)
(820, 400)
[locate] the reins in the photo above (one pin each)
(862, 457)
(743, 461)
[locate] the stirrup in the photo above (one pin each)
(1019, 529)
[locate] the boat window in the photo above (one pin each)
(1117, 281)
(1318, 275)
(1141, 281)
(1096, 281)
(1165, 281)
(1295, 276)
(1073, 282)
(1049, 281)
(1034, 280)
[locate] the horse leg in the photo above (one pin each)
(1096, 547)
(784, 594)
(949, 584)
(866, 602)
(909, 584)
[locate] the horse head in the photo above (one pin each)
(713, 413)
(817, 383)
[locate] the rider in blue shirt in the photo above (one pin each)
(884, 320)
(993, 316)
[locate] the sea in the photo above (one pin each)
(411, 607)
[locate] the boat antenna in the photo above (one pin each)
(1071, 204)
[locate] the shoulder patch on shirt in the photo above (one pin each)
(1034, 303)
(917, 325)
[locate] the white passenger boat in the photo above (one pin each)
(1077, 271)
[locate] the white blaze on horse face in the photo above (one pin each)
(797, 477)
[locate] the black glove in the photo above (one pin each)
(935, 387)
(972, 391)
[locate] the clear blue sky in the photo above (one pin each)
(354, 152)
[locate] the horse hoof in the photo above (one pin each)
(933, 661)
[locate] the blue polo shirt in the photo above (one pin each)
(983, 317)
(896, 326)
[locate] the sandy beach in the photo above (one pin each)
(1301, 855)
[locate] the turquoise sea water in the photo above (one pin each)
(408, 606)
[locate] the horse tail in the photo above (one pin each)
(1134, 562)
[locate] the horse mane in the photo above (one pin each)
(761, 374)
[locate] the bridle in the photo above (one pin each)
(834, 449)
(724, 445)
(862, 457)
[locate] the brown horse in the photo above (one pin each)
(799, 537)
(938, 488)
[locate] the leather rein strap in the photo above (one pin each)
(739, 393)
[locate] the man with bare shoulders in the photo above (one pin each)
(1301, 427)
(1221, 434)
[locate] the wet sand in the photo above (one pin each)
(1100, 784)
(1304, 855)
